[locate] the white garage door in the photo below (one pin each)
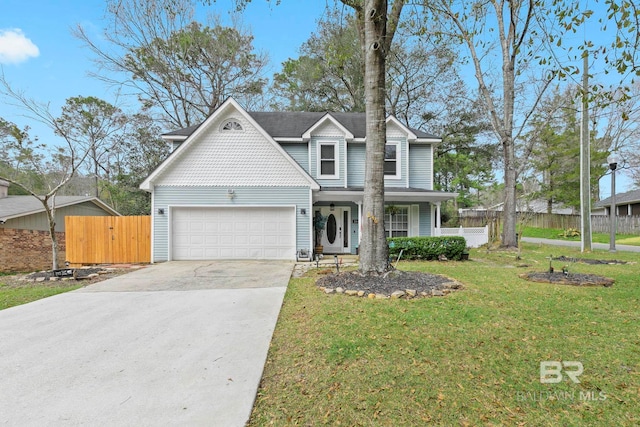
(233, 233)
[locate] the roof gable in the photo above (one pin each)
(211, 156)
(328, 126)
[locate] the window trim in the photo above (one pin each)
(398, 174)
(236, 126)
(336, 159)
(387, 228)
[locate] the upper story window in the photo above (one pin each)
(392, 160)
(231, 125)
(328, 160)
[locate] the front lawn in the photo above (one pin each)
(551, 233)
(14, 292)
(470, 358)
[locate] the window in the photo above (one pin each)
(231, 125)
(392, 160)
(328, 160)
(396, 221)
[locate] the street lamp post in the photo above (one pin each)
(613, 165)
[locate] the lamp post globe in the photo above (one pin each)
(613, 160)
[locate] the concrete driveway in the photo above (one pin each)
(178, 343)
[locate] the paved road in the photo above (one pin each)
(603, 246)
(178, 343)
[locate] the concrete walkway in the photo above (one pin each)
(601, 246)
(178, 343)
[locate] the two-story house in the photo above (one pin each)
(248, 184)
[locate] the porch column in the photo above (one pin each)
(437, 214)
(359, 222)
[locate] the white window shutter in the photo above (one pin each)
(414, 221)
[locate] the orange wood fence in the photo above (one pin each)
(108, 239)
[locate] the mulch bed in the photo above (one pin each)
(589, 261)
(86, 275)
(79, 273)
(574, 279)
(423, 284)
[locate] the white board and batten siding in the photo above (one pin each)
(254, 214)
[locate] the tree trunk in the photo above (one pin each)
(52, 234)
(509, 210)
(374, 252)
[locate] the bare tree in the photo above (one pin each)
(35, 166)
(181, 68)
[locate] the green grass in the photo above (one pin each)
(11, 296)
(549, 233)
(470, 358)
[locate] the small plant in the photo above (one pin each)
(319, 222)
(570, 232)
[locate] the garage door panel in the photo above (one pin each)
(233, 233)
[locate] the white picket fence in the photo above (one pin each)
(475, 236)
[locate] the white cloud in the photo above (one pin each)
(15, 47)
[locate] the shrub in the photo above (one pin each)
(428, 248)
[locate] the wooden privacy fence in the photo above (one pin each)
(108, 239)
(599, 223)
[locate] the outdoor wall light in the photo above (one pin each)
(160, 211)
(231, 193)
(332, 207)
(303, 211)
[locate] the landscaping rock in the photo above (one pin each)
(381, 296)
(411, 292)
(371, 296)
(328, 291)
(360, 293)
(397, 294)
(351, 292)
(339, 290)
(437, 293)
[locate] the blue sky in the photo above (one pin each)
(39, 55)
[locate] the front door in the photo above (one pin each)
(335, 237)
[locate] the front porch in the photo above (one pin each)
(410, 212)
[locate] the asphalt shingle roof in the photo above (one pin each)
(293, 124)
(16, 206)
(621, 199)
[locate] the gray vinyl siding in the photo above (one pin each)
(420, 166)
(40, 222)
(166, 196)
(299, 153)
(313, 150)
(355, 164)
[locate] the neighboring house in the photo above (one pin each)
(537, 205)
(25, 243)
(627, 204)
(248, 184)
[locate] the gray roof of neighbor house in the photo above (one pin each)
(17, 206)
(293, 124)
(621, 199)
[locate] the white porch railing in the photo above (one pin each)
(475, 236)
